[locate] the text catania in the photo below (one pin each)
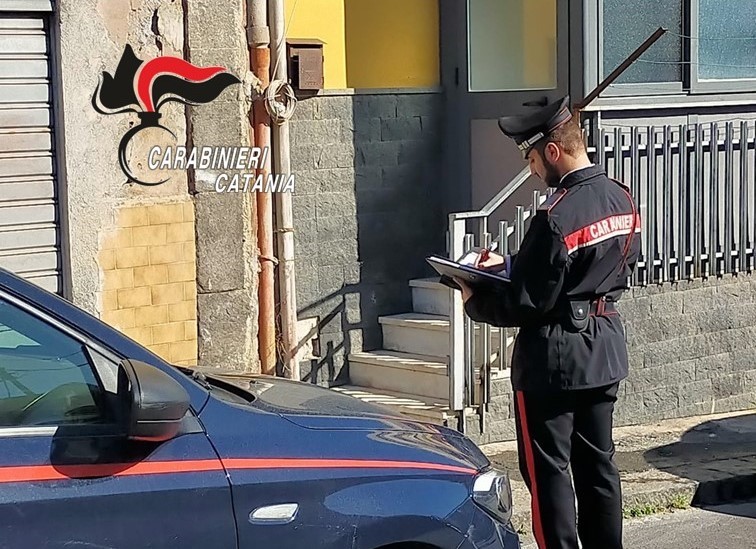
(272, 184)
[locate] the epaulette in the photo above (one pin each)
(552, 201)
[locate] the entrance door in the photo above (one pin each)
(498, 55)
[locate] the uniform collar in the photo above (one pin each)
(574, 177)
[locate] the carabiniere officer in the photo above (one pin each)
(570, 354)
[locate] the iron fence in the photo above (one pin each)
(694, 188)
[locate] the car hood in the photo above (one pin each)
(317, 408)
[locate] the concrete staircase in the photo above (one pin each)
(410, 373)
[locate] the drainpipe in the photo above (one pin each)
(258, 39)
(284, 214)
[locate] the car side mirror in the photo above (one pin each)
(153, 403)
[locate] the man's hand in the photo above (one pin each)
(467, 291)
(494, 262)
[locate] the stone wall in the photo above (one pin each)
(367, 210)
(691, 347)
(226, 224)
(198, 302)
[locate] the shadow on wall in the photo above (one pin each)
(368, 206)
(718, 455)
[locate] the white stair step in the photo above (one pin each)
(416, 407)
(396, 371)
(430, 296)
(424, 334)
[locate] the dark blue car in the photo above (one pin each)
(104, 445)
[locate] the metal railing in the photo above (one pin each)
(474, 348)
(694, 187)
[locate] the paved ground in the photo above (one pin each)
(721, 527)
(706, 460)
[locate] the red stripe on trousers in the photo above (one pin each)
(530, 461)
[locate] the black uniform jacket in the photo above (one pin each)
(571, 255)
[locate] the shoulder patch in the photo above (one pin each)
(552, 201)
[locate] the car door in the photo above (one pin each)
(68, 478)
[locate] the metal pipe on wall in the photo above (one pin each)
(258, 39)
(284, 210)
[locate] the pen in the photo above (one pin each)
(486, 253)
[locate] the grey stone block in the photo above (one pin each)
(305, 232)
(501, 408)
(315, 157)
(368, 178)
(635, 359)
(331, 180)
(501, 387)
(660, 400)
(749, 379)
(333, 107)
(414, 152)
(713, 365)
(353, 308)
(667, 304)
(304, 158)
(220, 251)
(381, 154)
(374, 106)
(308, 292)
(355, 340)
(340, 155)
(695, 392)
(223, 330)
(698, 409)
(303, 207)
(339, 253)
(500, 430)
(742, 361)
(419, 104)
(735, 403)
(378, 201)
(315, 132)
(341, 204)
(727, 385)
(401, 129)
(330, 229)
(699, 300)
(353, 273)
(432, 127)
(305, 109)
(361, 130)
(629, 409)
(410, 177)
(647, 379)
(634, 309)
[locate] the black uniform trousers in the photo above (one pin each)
(557, 431)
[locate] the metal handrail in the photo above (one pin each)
(461, 331)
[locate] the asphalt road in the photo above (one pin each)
(722, 527)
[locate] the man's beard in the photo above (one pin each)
(551, 177)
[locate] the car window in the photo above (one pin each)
(46, 377)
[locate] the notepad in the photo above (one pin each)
(449, 269)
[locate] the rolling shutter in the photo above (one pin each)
(30, 233)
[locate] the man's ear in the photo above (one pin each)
(552, 152)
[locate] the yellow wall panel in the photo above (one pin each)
(369, 43)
